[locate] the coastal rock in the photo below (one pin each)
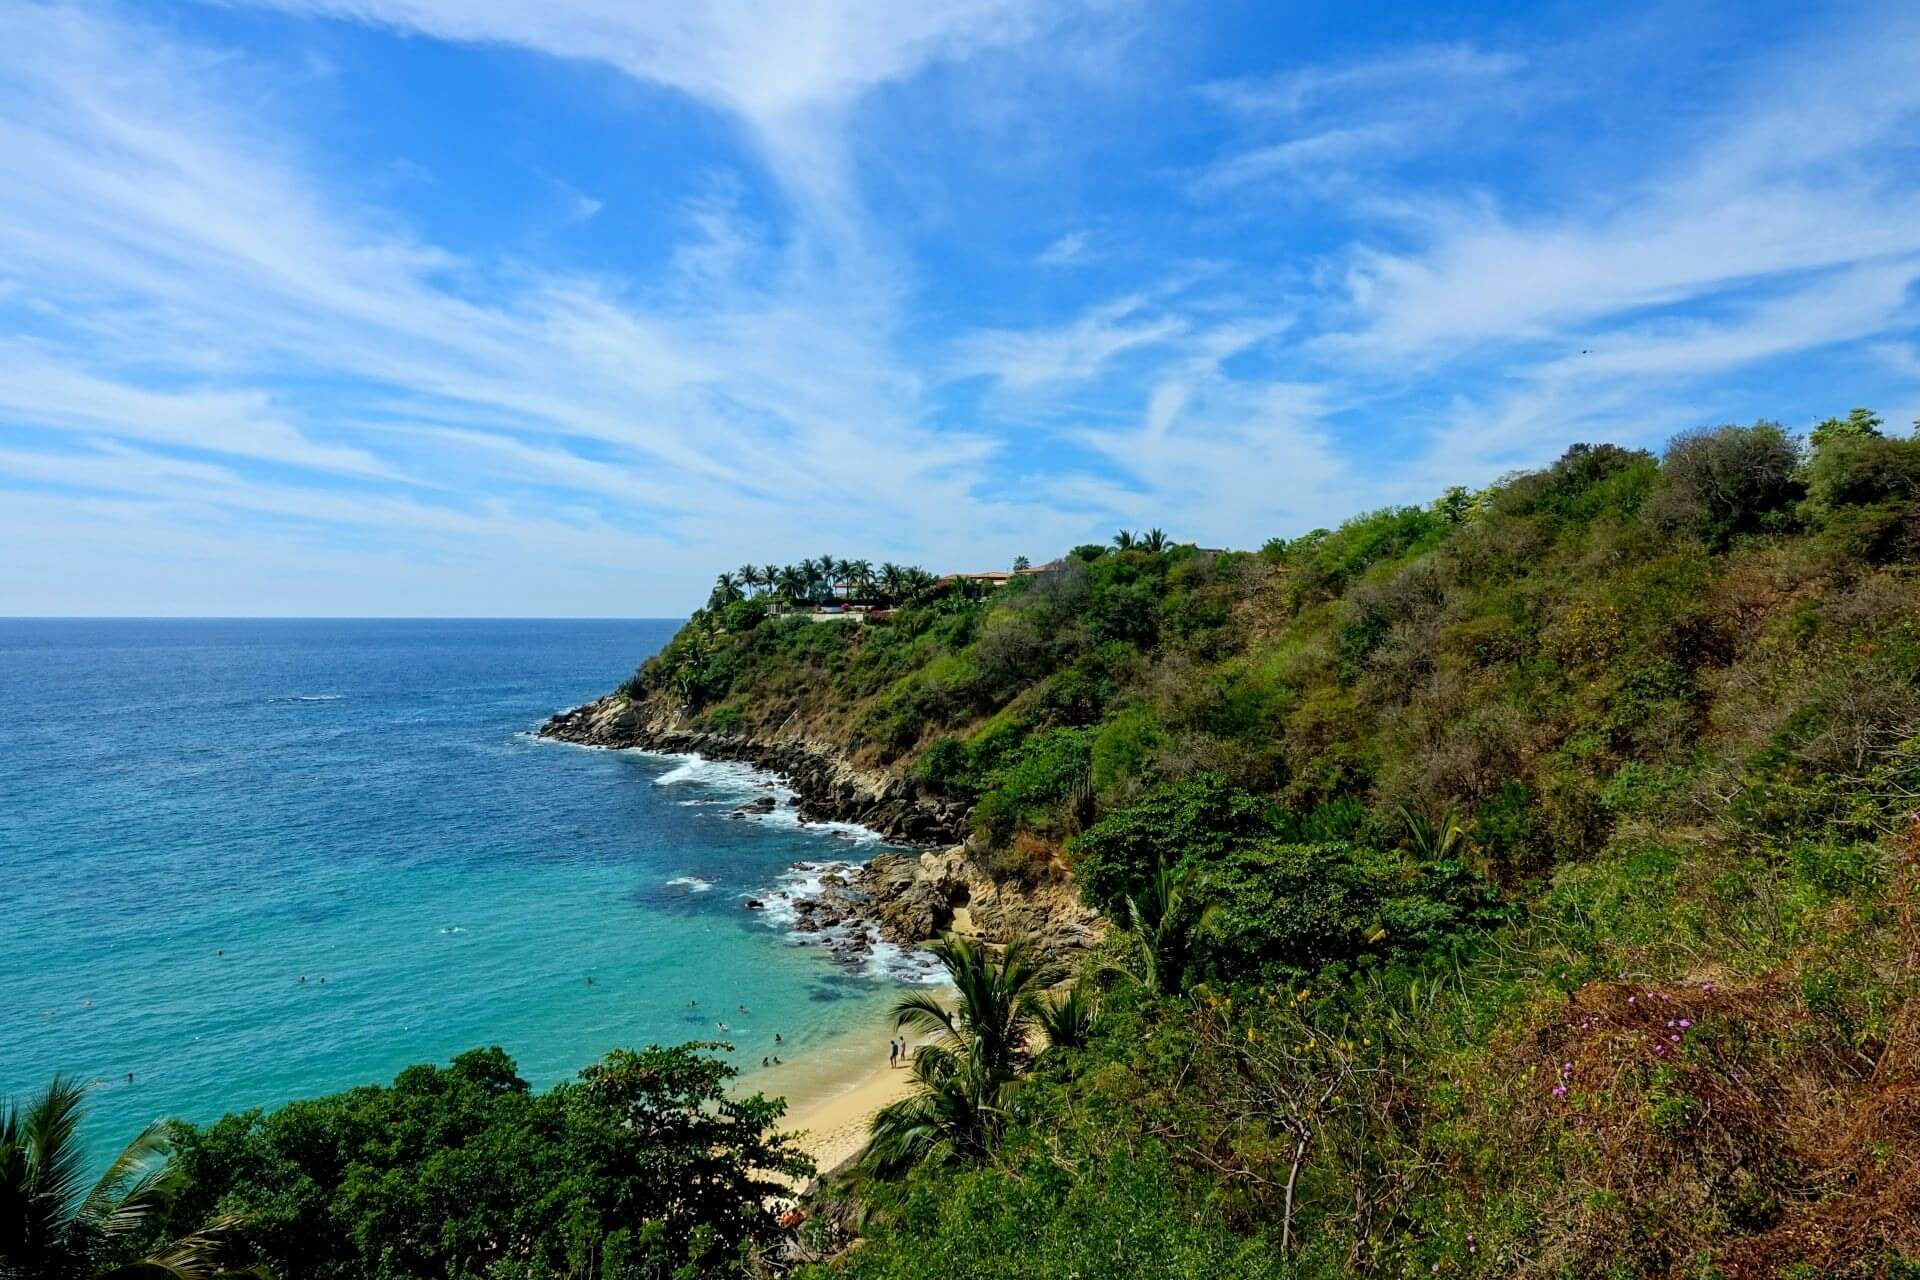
(826, 787)
(907, 898)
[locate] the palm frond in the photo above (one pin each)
(130, 1188)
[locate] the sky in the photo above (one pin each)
(559, 307)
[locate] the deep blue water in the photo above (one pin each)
(195, 815)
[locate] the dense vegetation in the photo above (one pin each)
(1519, 885)
(1516, 885)
(642, 1168)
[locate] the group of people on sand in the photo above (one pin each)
(897, 1055)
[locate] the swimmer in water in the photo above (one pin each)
(129, 1077)
(776, 1037)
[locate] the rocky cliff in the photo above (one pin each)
(909, 898)
(826, 786)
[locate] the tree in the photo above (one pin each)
(643, 1167)
(1861, 424)
(858, 576)
(893, 582)
(1123, 540)
(1021, 564)
(978, 1048)
(1067, 1018)
(749, 576)
(1156, 541)
(1727, 481)
(54, 1227)
(1162, 931)
(792, 584)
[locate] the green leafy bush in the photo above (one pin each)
(1278, 909)
(1196, 820)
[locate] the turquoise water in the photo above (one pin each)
(195, 815)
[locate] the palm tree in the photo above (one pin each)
(749, 576)
(1156, 541)
(1123, 540)
(791, 583)
(893, 581)
(54, 1227)
(1162, 932)
(726, 589)
(1067, 1018)
(976, 1050)
(769, 575)
(954, 1114)
(858, 575)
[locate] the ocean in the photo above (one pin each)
(243, 862)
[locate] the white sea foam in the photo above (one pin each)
(452, 929)
(883, 959)
(851, 832)
(692, 884)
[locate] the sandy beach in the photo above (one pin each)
(833, 1092)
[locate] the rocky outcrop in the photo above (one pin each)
(827, 788)
(913, 898)
(902, 898)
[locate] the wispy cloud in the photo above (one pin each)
(1070, 248)
(1298, 295)
(1025, 359)
(1313, 124)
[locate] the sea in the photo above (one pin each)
(243, 862)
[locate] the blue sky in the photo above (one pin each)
(556, 307)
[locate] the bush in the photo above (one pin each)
(1728, 481)
(1194, 820)
(1284, 910)
(1041, 786)
(1864, 492)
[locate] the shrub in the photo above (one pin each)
(1280, 909)
(1864, 492)
(1042, 786)
(1194, 820)
(1727, 481)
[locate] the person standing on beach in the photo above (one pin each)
(893, 1053)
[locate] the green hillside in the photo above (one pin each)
(1537, 872)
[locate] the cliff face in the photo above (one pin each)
(828, 787)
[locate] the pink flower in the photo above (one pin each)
(1686, 1022)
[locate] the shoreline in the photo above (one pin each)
(827, 785)
(832, 1095)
